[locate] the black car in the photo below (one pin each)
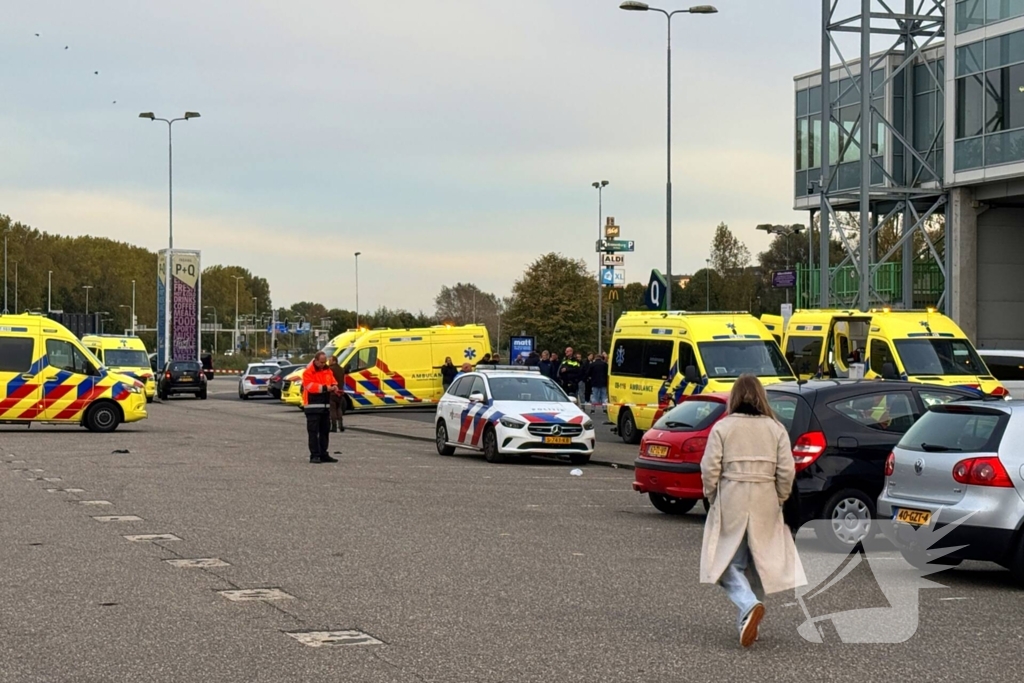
(842, 431)
(278, 379)
(182, 377)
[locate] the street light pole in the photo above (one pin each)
(256, 322)
(707, 286)
(168, 289)
(15, 287)
(133, 308)
(49, 291)
(214, 328)
(787, 231)
(600, 185)
(631, 5)
(87, 288)
(235, 340)
(357, 288)
(5, 271)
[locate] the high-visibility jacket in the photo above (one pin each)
(313, 384)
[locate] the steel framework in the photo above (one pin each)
(919, 194)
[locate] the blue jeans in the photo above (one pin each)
(738, 587)
(599, 396)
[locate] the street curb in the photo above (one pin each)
(410, 437)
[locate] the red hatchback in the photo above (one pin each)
(668, 467)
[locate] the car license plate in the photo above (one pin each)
(913, 517)
(656, 451)
(186, 379)
(559, 440)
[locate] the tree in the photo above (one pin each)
(466, 303)
(728, 253)
(555, 301)
(730, 258)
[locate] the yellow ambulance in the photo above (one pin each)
(775, 325)
(47, 375)
(126, 356)
(291, 388)
(915, 345)
(658, 357)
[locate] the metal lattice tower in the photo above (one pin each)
(911, 191)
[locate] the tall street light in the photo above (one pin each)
(255, 323)
(357, 288)
(599, 185)
(49, 291)
(129, 310)
(632, 6)
(5, 270)
(168, 289)
(235, 341)
(214, 328)
(707, 284)
(133, 308)
(87, 288)
(787, 231)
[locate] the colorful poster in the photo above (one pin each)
(161, 308)
(185, 305)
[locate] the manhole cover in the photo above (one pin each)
(256, 594)
(118, 518)
(198, 563)
(152, 537)
(94, 502)
(324, 638)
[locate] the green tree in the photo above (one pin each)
(466, 303)
(555, 300)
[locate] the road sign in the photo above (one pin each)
(784, 279)
(613, 277)
(615, 245)
(613, 260)
(654, 296)
(787, 313)
(611, 294)
(611, 231)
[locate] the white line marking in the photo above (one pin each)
(949, 599)
(198, 563)
(251, 594)
(94, 502)
(322, 638)
(118, 518)
(151, 537)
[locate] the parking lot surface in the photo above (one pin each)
(445, 569)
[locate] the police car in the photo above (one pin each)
(511, 410)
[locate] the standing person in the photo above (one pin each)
(599, 383)
(317, 385)
(448, 372)
(533, 360)
(588, 381)
(486, 360)
(496, 359)
(569, 373)
(748, 474)
(553, 366)
(337, 399)
(544, 364)
(466, 367)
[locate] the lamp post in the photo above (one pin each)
(214, 328)
(170, 222)
(357, 288)
(15, 287)
(235, 340)
(5, 270)
(129, 311)
(707, 284)
(255, 322)
(632, 6)
(133, 308)
(599, 185)
(788, 231)
(87, 288)
(49, 291)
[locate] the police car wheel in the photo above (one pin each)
(627, 428)
(102, 417)
(491, 452)
(442, 440)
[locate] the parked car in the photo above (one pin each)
(668, 466)
(961, 462)
(842, 431)
(255, 381)
(1007, 366)
(277, 380)
(182, 377)
(279, 362)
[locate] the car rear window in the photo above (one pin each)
(182, 366)
(784, 406)
(955, 429)
(691, 416)
(264, 369)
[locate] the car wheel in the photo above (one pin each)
(442, 440)
(847, 520)
(579, 458)
(202, 395)
(162, 395)
(627, 428)
(102, 417)
(149, 399)
(491, 452)
(244, 396)
(670, 505)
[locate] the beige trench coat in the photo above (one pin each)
(748, 473)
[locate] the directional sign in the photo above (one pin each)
(613, 260)
(613, 277)
(654, 296)
(615, 245)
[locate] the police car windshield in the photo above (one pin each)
(735, 358)
(533, 389)
(126, 358)
(939, 357)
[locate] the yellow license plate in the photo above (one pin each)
(560, 440)
(656, 451)
(186, 379)
(913, 517)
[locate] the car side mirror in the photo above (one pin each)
(574, 400)
(889, 370)
(477, 398)
(690, 375)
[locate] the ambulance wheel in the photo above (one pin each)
(670, 505)
(102, 417)
(442, 440)
(491, 452)
(627, 428)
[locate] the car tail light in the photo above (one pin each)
(984, 471)
(890, 464)
(168, 375)
(695, 445)
(250, 380)
(808, 448)
(1001, 392)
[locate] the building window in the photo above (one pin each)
(990, 101)
(972, 14)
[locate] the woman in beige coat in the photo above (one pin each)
(748, 474)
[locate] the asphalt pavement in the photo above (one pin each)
(419, 567)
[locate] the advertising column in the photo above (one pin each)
(161, 308)
(185, 305)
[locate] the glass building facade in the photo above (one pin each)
(972, 14)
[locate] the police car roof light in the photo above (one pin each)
(485, 367)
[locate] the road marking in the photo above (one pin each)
(52, 479)
(577, 554)
(94, 502)
(322, 638)
(118, 518)
(152, 537)
(949, 599)
(251, 594)
(36, 470)
(198, 563)
(64, 490)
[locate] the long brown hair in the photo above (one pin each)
(749, 393)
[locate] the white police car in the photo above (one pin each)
(512, 411)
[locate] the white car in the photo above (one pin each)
(505, 412)
(255, 381)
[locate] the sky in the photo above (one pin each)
(448, 141)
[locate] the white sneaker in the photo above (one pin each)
(748, 633)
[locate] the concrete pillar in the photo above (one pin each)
(964, 260)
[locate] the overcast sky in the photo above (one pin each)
(450, 140)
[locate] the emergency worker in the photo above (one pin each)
(318, 384)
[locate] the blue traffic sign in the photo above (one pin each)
(654, 295)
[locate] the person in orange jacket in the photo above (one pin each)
(318, 383)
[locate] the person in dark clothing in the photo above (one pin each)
(486, 360)
(599, 382)
(553, 366)
(587, 385)
(337, 399)
(448, 372)
(545, 363)
(569, 373)
(533, 360)
(317, 385)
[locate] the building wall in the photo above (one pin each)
(1000, 273)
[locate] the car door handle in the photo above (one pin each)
(28, 376)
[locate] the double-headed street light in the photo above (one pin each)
(632, 6)
(357, 254)
(599, 185)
